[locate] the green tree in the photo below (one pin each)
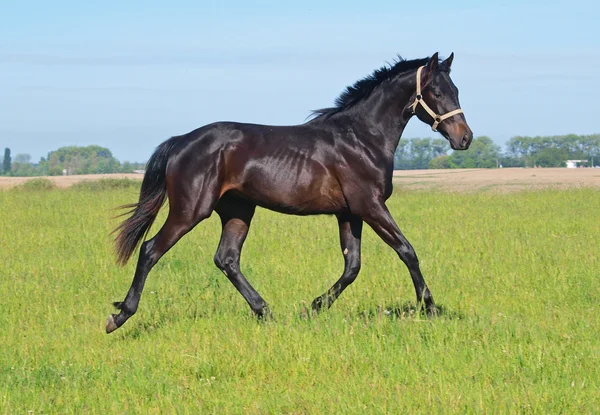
(482, 153)
(508, 161)
(416, 153)
(7, 161)
(440, 162)
(126, 167)
(22, 158)
(22, 166)
(551, 157)
(23, 169)
(402, 156)
(538, 151)
(42, 167)
(420, 149)
(82, 160)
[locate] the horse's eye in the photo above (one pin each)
(437, 94)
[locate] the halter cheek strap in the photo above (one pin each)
(437, 119)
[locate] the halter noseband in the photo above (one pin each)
(437, 119)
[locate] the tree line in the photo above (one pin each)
(68, 161)
(411, 154)
(520, 151)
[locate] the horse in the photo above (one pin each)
(338, 162)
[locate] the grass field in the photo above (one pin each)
(516, 276)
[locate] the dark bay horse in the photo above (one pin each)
(340, 162)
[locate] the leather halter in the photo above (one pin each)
(437, 119)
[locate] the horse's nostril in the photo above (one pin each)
(465, 139)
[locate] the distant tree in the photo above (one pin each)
(482, 153)
(127, 167)
(23, 158)
(7, 161)
(546, 151)
(420, 149)
(551, 157)
(508, 161)
(520, 148)
(23, 169)
(416, 153)
(440, 162)
(42, 167)
(22, 166)
(401, 156)
(138, 166)
(82, 160)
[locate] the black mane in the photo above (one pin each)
(363, 87)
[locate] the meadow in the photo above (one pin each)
(515, 276)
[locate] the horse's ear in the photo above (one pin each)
(432, 65)
(448, 62)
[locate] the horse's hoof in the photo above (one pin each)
(432, 311)
(110, 324)
(265, 315)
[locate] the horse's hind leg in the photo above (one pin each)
(350, 234)
(236, 215)
(179, 222)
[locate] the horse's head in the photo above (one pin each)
(436, 103)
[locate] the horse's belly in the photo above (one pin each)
(319, 196)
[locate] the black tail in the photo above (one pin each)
(152, 196)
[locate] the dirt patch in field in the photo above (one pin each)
(503, 180)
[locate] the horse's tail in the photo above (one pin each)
(152, 196)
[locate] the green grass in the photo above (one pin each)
(515, 274)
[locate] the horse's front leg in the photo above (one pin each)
(379, 218)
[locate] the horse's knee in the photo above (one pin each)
(228, 262)
(408, 256)
(218, 261)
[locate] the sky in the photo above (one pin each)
(127, 75)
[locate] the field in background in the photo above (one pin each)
(504, 180)
(67, 181)
(497, 180)
(515, 275)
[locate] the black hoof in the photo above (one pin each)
(320, 304)
(432, 311)
(111, 325)
(264, 314)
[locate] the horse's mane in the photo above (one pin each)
(363, 87)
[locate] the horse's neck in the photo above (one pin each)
(384, 113)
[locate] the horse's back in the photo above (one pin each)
(291, 169)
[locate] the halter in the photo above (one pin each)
(437, 119)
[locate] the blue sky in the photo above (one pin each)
(129, 74)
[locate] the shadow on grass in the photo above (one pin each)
(162, 317)
(405, 311)
(409, 311)
(141, 329)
